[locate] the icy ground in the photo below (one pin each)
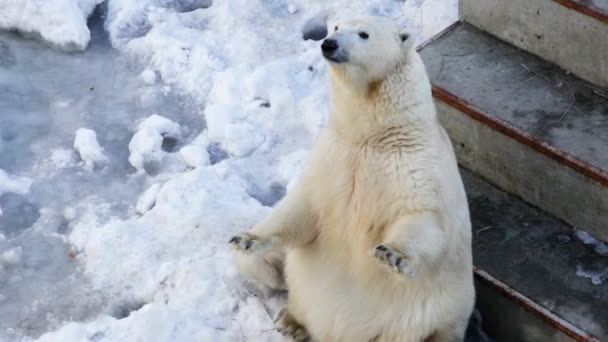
(125, 168)
(46, 96)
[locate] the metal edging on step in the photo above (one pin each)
(521, 136)
(441, 33)
(534, 308)
(587, 10)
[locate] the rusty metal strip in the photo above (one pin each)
(523, 137)
(589, 10)
(534, 308)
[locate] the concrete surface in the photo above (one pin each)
(536, 97)
(573, 40)
(539, 256)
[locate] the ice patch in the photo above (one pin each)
(63, 23)
(87, 146)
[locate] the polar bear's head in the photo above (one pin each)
(366, 48)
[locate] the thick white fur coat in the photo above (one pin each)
(382, 172)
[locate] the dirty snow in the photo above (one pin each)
(598, 274)
(205, 113)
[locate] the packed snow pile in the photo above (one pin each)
(253, 72)
(87, 146)
(62, 23)
(146, 146)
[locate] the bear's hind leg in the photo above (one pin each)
(288, 326)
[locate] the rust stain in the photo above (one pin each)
(509, 130)
(588, 10)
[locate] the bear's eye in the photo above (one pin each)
(363, 35)
(336, 28)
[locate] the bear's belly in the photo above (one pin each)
(340, 303)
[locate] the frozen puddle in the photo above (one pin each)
(45, 97)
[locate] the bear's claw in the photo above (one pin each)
(249, 243)
(392, 258)
(287, 326)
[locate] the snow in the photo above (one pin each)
(588, 239)
(146, 145)
(14, 184)
(205, 113)
(148, 77)
(196, 154)
(598, 274)
(148, 199)
(62, 23)
(87, 146)
(597, 277)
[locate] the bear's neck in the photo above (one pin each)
(362, 108)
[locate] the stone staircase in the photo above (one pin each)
(521, 87)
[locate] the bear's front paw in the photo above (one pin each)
(250, 243)
(392, 258)
(287, 326)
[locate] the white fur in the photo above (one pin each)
(382, 172)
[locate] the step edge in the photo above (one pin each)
(536, 309)
(520, 135)
(590, 11)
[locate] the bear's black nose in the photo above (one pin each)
(329, 45)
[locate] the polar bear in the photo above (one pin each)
(375, 239)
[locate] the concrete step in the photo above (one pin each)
(524, 124)
(570, 33)
(531, 270)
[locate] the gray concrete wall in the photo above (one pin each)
(524, 172)
(574, 41)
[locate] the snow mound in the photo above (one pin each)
(87, 146)
(63, 23)
(175, 258)
(146, 146)
(196, 154)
